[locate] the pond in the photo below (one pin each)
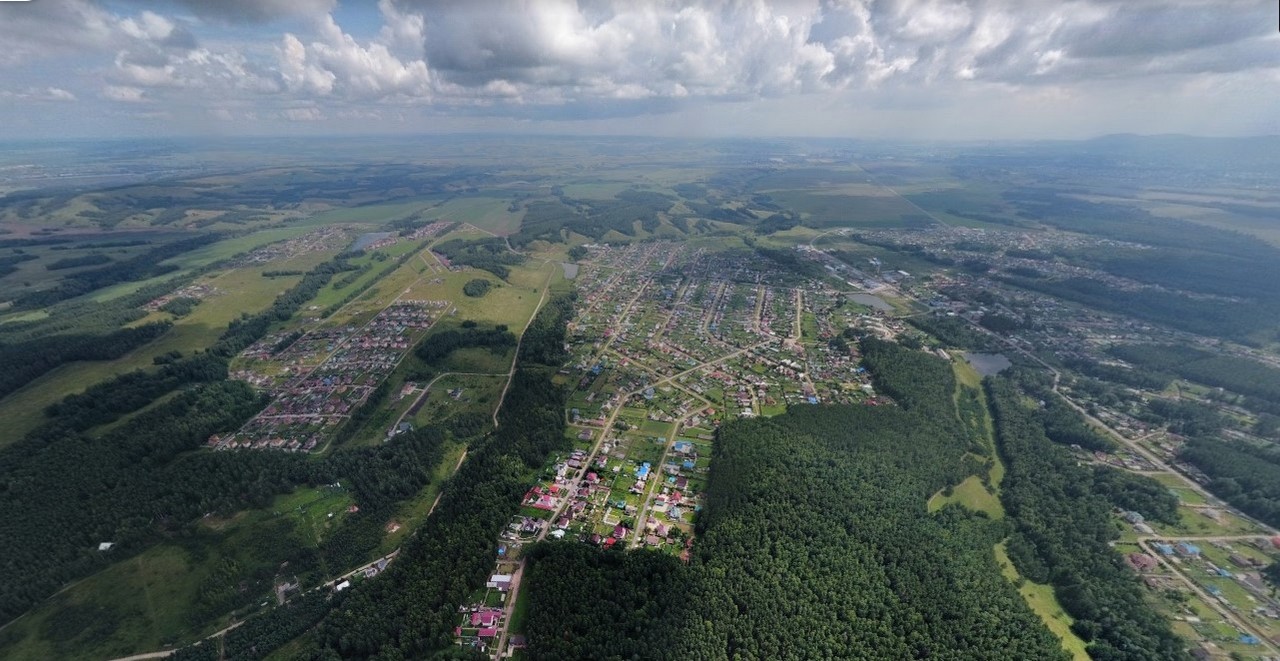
(370, 239)
(872, 301)
(988, 364)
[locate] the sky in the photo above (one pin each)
(894, 69)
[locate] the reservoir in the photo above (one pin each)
(987, 364)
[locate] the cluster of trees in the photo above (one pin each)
(91, 259)
(1246, 476)
(1137, 377)
(438, 346)
(1062, 517)
(386, 270)
(814, 542)
(489, 254)
(9, 263)
(952, 331)
(543, 340)
(146, 264)
(548, 220)
(1259, 383)
(180, 306)
(21, 362)
(260, 635)
(476, 287)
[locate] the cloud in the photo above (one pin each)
(124, 94)
(38, 94)
(302, 114)
(252, 11)
(302, 60)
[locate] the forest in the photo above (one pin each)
(814, 543)
(139, 267)
(1062, 529)
(490, 254)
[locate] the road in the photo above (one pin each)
(1213, 603)
(515, 359)
(426, 390)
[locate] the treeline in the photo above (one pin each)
(139, 267)
(544, 340)
(1245, 476)
(22, 362)
(1062, 519)
(814, 542)
(258, 636)
(438, 346)
(91, 259)
(952, 331)
(1136, 377)
(1260, 383)
(386, 270)
(489, 254)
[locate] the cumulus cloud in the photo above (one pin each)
(572, 58)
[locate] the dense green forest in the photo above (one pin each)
(1062, 517)
(491, 254)
(814, 542)
(22, 362)
(445, 342)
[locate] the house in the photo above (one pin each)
(485, 618)
(683, 447)
(619, 531)
(499, 581)
(1141, 561)
(1164, 549)
(342, 586)
(487, 632)
(1187, 549)
(1143, 528)
(106, 546)
(1239, 560)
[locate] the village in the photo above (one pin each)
(667, 343)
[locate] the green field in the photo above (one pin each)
(237, 291)
(487, 213)
(162, 596)
(971, 494)
(1041, 599)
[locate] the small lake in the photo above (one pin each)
(872, 301)
(988, 364)
(570, 270)
(370, 239)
